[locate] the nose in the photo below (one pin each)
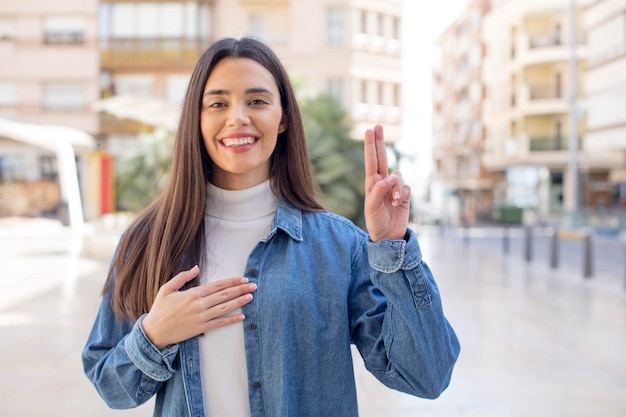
(238, 115)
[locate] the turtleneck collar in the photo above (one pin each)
(241, 205)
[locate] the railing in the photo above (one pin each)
(539, 144)
(148, 52)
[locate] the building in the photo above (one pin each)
(459, 177)
(535, 97)
(605, 86)
(349, 49)
(49, 75)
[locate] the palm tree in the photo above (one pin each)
(337, 159)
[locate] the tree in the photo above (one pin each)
(142, 173)
(337, 159)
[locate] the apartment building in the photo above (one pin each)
(49, 75)
(349, 49)
(459, 176)
(605, 86)
(527, 110)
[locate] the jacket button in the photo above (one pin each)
(252, 273)
(252, 326)
(256, 384)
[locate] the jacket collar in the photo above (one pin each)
(288, 218)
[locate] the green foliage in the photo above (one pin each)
(337, 159)
(141, 174)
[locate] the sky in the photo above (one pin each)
(423, 23)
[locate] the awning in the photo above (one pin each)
(148, 110)
(63, 141)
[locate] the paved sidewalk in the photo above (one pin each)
(535, 342)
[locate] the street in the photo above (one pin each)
(535, 340)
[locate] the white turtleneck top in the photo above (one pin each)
(235, 222)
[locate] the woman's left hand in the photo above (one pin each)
(386, 197)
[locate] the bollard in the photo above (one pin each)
(505, 240)
(528, 253)
(554, 249)
(587, 267)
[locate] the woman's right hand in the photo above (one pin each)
(178, 315)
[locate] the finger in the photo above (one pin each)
(227, 307)
(220, 285)
(397, 188)
(369, 153)
(222, 322)
(229, 294)
(182, 278)
(381, 151)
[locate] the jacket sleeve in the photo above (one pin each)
(122, 363)
(397, 321)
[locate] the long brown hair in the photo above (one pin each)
(168, 235)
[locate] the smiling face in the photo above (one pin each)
(240, 120)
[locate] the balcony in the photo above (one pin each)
(140, 54)
(551, 144)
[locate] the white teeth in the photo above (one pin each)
(238, 141)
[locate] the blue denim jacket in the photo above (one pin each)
(322, 286)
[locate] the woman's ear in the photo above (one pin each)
(283, 125)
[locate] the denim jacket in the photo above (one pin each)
(322, 285)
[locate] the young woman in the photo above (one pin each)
(236, 294)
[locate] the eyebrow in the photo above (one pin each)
(252, 90)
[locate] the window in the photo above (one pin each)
(395, 28)
(7, 29)
(138, 85)
(380, 93)
(8, 94)
(395, 100)
(64, 96)
(380, 25)
(257, 26)
(335, 27)
(12, 168)
(152, 20)
(363, 96)
(64, 30)
(363, 22)
(48, 167)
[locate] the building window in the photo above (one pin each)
(336, 89)
(335, 23)
(380, 93)
(12, 168)
(363, 92)
(7, 29)
(257, 26)
(380, 25)
(141, 85)
(64, 96)
(363, 22)
(64, 30)
(152, 20)
(48, 167)
(395, 100)
(395, 28)
(8, 94)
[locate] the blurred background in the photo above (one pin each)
(505, 116)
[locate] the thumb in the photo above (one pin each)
(182, 278)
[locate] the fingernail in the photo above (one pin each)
(395, 202)
(244, 280)
(396, 195)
